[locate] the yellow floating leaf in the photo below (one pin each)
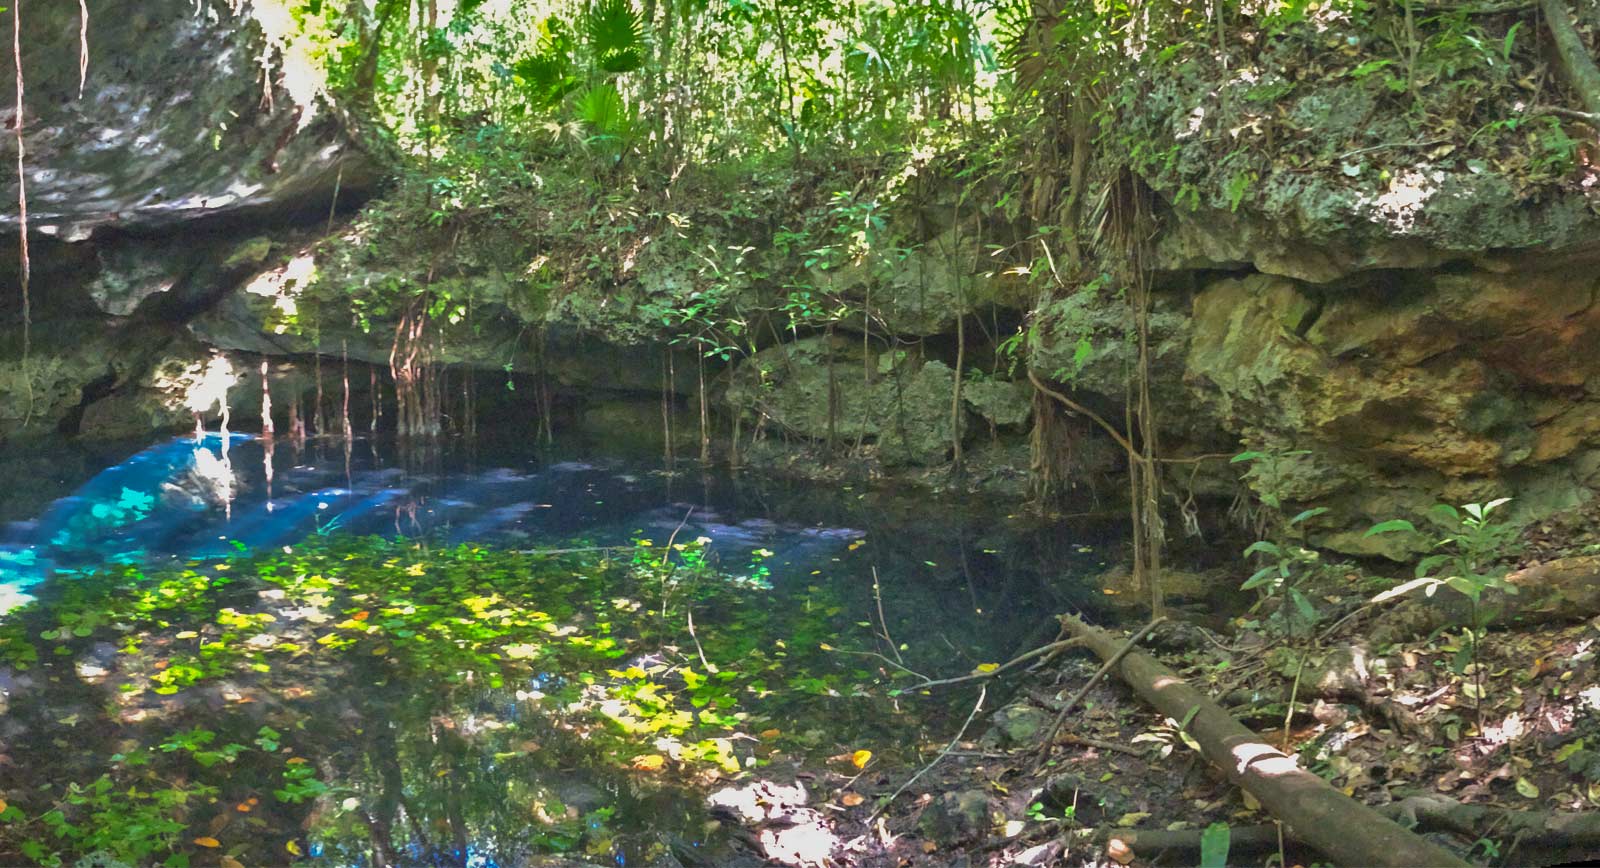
(230, 862)
(986, 667)
(1119, 851)
(1133, 818)
(825, 646)
(765, 733)
(242, 807)
(294, 760)
(294, 849)
(2, 806)
(649, 762)
(208, 842)
(850, 800)
(860, 758)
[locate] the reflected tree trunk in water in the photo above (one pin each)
(266, 402)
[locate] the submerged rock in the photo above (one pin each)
(1020, 724)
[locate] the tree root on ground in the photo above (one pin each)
(1571, 835)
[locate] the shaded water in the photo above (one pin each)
(962, 581)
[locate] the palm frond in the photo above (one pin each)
(616, 36)
(605, 112)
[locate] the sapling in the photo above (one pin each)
(1465, 561)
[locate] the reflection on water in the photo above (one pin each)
(470, 772)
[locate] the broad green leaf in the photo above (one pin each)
(1390, 526)
(1214, 843)
(1259, 578)
(1308, 514)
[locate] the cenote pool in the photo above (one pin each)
(240, 652)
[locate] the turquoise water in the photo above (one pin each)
(181, 499)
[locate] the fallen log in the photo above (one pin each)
(1341, 828)
(1577, 67)
(1565, 589)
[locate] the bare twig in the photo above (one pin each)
(1084, 741)
(900, 666)
(689, 612)
(1020, 658)
(1061, 717)
(572, 550)
(1387, 145)
(1586, 117)
(667, 553)
(983, 693)
(877, 596)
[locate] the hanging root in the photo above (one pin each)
(1051, 446)
(83, 45)
(22, 210)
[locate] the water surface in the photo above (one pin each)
(467, 771)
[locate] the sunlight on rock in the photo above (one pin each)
(805, 844)
(284, 285)
(198, 386)
(1401, 204)
(796, 835)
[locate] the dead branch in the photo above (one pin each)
(1061, 716)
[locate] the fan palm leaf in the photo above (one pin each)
(615, 33)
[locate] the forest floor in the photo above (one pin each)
(1515, 729)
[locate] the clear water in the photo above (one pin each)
(963, 582)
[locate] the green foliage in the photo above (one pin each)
(425, 634)
(1470, 544)
(1286, 567)
(1214, 845)
(1468, 559)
